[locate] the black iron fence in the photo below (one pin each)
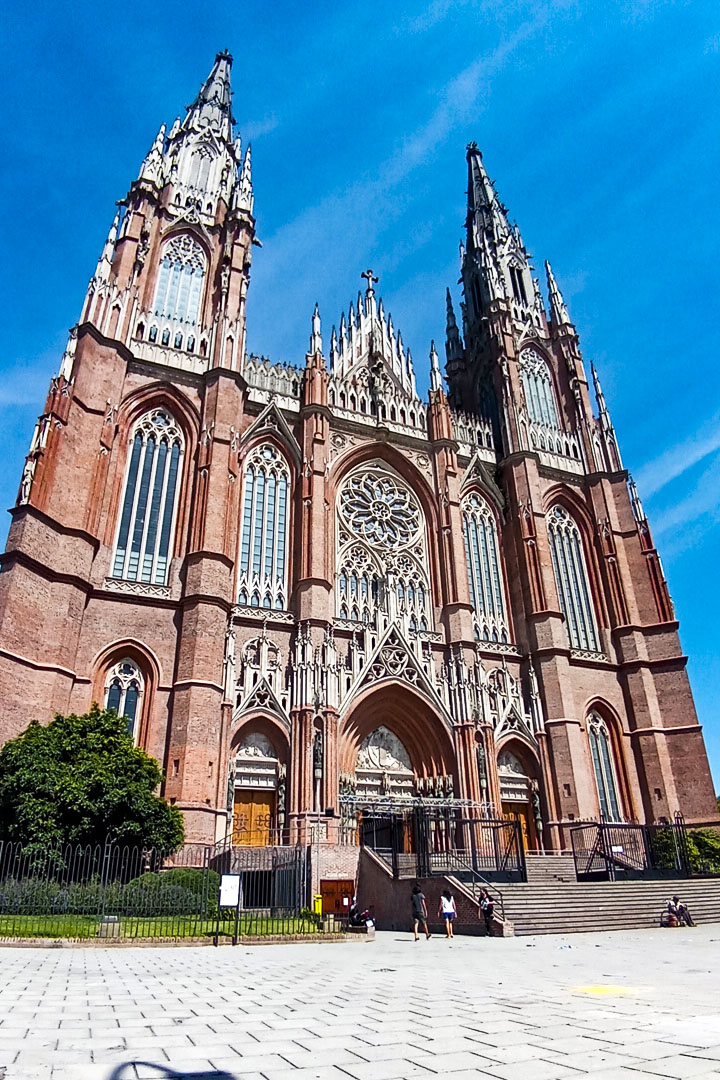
(616, 851)
(271, 889)
(425, 840)
(117, 892)
(108, 891)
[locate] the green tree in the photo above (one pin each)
(80, 780)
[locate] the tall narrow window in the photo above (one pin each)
(179, 286)
(147, 519)
(484, 570)
(538, 388)
(604, 769)
(263, 531)
(572, 580)
(123, 692)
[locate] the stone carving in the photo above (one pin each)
(383, 750)
(379, 510)
(256, 746)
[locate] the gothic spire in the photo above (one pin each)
(606, 425)
(558, 311)
(212, 108)
(435, 376)
(485, 213)
(152, 167)
(316, 345)
(453, 344)
(102, 272)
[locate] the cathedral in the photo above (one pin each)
(309, 590)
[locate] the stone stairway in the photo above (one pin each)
(559, 907)
(544, 869)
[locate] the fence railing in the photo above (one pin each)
(428, 840)
(612, 851)
(114, 891)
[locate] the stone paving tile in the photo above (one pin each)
(674, 1068)
(709, 1052)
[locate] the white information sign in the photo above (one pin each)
(230, 890)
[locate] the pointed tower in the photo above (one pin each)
(172, 285)
(134, 470)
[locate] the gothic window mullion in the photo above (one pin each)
(169, 525)
(147, 511)
(149, 523)
(573, 591)
(127, 507)
(157, 512)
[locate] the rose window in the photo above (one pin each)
(381, 512)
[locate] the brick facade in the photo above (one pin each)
(303, 678)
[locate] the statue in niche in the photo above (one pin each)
(535, 801)
(318, 755)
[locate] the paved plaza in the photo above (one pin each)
(635, 1005)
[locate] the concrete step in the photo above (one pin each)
(552, 907)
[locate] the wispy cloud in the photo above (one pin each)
(253, 129)
(354, 217)
(677, 459)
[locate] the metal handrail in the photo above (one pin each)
(477, 876)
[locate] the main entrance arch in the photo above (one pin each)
(394, 736)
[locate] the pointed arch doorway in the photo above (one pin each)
(394, 751)
(519, 792)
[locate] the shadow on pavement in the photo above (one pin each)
(126, 1071)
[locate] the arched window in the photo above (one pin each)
(123, 692)
(602, 759)
(179, 285)
(538, 387)
(572, 580)
(381, 551)
(147, 520)
(484, 570)
(262, 581)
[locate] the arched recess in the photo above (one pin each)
(519, 777)
(531, 356)
(408, 715)
(103, 667)
(257, 780)
(561, 495)
(383, 452)
(600, 710)
(268, 584)
(132, 409)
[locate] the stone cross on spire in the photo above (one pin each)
(368, 275)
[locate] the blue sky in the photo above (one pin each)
(597, 121)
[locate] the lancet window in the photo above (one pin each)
(262, 581)
(604, 769)
(123, 692)
(538, 388)
(382, 552)
(179, 286)
(485, 577)
(147, 520)
(572, 581)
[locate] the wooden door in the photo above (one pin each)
(521, 811)
(253, 816)
(336, 896)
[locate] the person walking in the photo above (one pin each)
(487, 910)
(447, 910)
(419, 912)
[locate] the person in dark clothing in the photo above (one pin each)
(487, 910)
(680, 911)
(419, 912)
